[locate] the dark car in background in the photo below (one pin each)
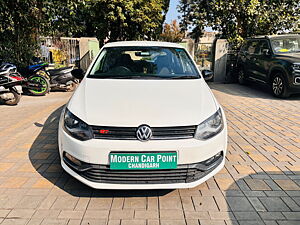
(272, 60)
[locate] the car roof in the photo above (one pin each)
(274, 36)
(143, 44)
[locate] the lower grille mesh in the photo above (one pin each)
(184, 173)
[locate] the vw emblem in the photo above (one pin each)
(144, 133)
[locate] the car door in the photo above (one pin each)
(261, 60)
(247, 58)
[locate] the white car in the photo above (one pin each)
(143, 117)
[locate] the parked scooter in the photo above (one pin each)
(59, 79)
(10, 88)
(62, 79)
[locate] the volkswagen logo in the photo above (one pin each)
(144, 133)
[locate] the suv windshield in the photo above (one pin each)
(143, 63)
(286, 44)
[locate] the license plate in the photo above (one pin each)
(143, 161)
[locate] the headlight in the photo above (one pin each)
(210, 127)
(76, 127)
(296, 67)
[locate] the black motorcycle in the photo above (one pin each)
(34, 74)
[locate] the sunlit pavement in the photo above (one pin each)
(259, 185)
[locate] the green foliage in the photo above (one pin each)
(112, 20)
(296, 28)
(237, 19)
(172, 32)
(23, 21)
(17, 25)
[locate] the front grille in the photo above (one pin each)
(158, 133)
(183, 174)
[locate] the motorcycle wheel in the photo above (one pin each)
(44, 83)
(16, 98)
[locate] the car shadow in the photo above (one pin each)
(250, 90)
(44, 157)
(269, 197)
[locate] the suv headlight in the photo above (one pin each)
(296, 67)
(76, 127)
(210, 127)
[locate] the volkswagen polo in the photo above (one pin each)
(143, 117)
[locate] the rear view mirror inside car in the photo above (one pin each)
(142, 54)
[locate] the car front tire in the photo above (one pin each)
(279, 86)
(241, 77)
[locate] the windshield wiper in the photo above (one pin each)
(142, 77)
(184, 77)
(111, 77)
(127, 77)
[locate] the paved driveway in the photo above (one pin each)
(259, 185)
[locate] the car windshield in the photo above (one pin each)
(286, 44)
(143, 63)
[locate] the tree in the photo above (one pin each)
(296, 28)
(112, 20)
(23, 21)
(172, 32)
(237, 19)
(17, 22)
(190, 19)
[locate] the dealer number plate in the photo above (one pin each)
(143, 161)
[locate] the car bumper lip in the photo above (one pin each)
(119, 186)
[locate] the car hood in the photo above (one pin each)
(130, 103)
(291, 57)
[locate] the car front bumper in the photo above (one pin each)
(190, 153)
(294, 83)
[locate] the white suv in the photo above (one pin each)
(143, 117)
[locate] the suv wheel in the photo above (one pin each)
(241, 77)
(279, 87)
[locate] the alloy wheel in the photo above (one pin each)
(241, 77)
(277, 86)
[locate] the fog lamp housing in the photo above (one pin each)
(213, 159)
(72, 159)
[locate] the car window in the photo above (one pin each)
(143, 62)
(286, 44)
(186, 66)
(245, 46)
(262, 45)
(252, 47)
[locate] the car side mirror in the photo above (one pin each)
(207, 74)
(266, 52)
(78, 74)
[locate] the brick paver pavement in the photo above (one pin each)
(260, 183)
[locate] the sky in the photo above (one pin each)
(173, 12)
